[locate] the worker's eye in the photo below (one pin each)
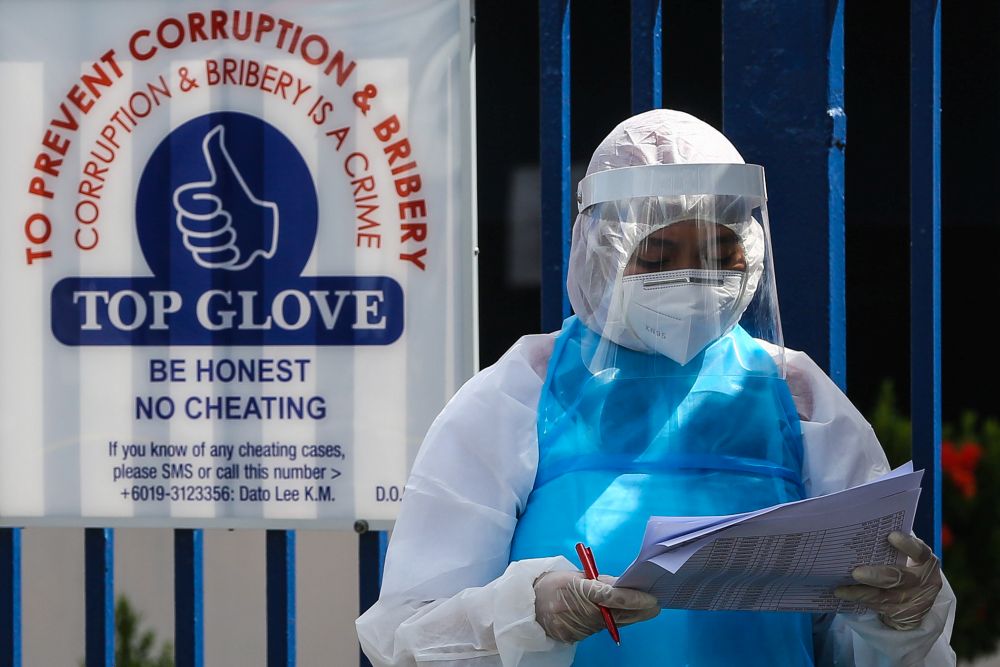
(719, 259)
(725, 256)
(653, 260)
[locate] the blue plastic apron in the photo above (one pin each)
(644, 437)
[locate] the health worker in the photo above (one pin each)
(669, 392)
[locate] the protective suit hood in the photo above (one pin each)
(628, 194)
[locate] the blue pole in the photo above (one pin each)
(925, 261)
(647, 55)
(372, 545)
(10, 597)
(188, 599)
(557, 196)
(281, 598)
(783, 98)
(99, 567)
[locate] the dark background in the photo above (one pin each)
(877, 163)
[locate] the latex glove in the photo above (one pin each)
(566, 604)
(901, 595)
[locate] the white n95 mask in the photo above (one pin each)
(678, 313)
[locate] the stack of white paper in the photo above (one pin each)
(787, 557)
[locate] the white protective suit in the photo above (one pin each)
(449, 595)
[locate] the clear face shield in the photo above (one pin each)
(674, 261)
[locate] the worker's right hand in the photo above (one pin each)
(566, 604)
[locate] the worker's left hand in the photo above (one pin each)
(901, 595)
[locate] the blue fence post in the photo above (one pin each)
(783, 108)
(557, 196)
(647, 55)
(99, 568)
(281, 598)
(189, 642)
(10, 596)
(372, 545)
(925, 261)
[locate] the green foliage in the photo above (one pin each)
(970, 488)
(135, 647)
(893, 429)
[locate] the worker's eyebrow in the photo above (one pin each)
(722, 236)
(657, 241)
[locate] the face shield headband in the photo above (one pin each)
(673, 180)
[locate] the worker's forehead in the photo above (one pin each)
(691, 230)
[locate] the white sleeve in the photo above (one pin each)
(841, 451)
(448, 593)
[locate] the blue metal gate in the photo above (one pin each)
(785, 109)
(802, 146)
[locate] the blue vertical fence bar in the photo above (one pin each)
(647, 55)
(189, 629)
(925, 260)
(99, 567)
(783, 108)
(281, 598)
(558, 200)
(372, 545)
(10, 596)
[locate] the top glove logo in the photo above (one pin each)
(227, 215)
(207, 220)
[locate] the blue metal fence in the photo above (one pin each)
(799, 134)
(189, 611)
(10, 596)
(281, 598)
(925, 260)
(372, 546)
(784, 109)
(557, 198)
(647, 55)
(99, 568)
(188, 597)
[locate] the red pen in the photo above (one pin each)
(590, 570)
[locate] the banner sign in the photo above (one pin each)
(238, 274)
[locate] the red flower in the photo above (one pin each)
(960, 465)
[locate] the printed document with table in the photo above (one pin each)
(787, 557)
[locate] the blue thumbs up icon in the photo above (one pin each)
(223, 224)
